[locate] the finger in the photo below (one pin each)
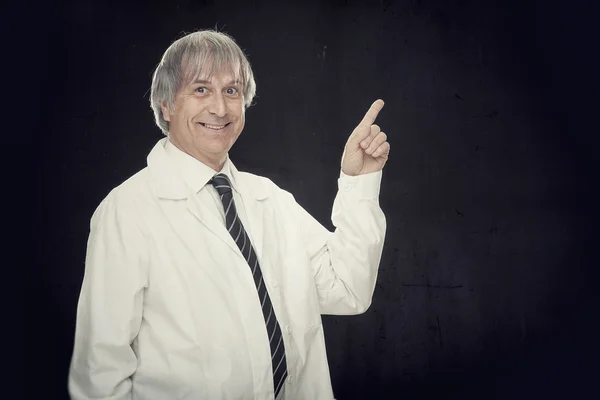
(374, 131)
(371, 115)
(382, 151)
(376, 142)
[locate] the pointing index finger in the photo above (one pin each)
(371, 115)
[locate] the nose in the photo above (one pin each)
(217, 105)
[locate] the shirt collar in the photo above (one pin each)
(195, 173)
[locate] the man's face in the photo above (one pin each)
(208, 118)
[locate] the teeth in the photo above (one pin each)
(215, 127)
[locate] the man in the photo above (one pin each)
(204, 282)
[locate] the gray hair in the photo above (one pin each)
(198, 53)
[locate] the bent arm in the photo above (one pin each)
(345, 263)
(109, 311)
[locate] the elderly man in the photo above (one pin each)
(204, 282)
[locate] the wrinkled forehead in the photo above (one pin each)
(203, 66)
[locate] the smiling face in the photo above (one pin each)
(208, 117)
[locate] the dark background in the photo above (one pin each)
(486, 287)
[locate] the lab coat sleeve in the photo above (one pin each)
(109, 311)
(345, 263)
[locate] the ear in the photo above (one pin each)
(165, 112)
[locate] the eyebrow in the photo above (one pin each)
(205, 82)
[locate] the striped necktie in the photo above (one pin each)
(241, 238)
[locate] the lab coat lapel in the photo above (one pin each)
(170, 186)
(210, 221)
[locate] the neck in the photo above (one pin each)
(215, 162)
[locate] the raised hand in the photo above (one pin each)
(367, 149)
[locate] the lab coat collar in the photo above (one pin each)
(171, 184)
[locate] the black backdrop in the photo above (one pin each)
(486, 283)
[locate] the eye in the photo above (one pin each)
(201, 90)
(232, 91)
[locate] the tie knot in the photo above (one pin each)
(221, 183)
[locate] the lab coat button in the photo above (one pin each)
(288, 329)
(275, 284)
(289, 379)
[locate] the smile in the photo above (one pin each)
(214, 127)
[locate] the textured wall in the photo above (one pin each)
(482, 287)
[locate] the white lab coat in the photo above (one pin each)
(168, 309)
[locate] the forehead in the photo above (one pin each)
(210, 69)
(217, 78)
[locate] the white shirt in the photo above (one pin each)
(168, 308)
